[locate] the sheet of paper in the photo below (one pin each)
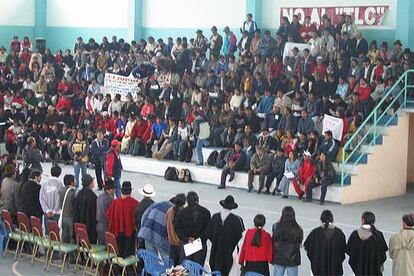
(193, 247)
(289, 175)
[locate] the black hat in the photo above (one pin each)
(398, 42)
(87, 179)
(126, 187)
(407, 51)
(228, 203)
(199, 31)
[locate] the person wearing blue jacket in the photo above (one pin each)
(266, 103)
(329, 146)
(99, 148)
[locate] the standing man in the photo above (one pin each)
(29, 195)
(85, 207)
(121, 218)
(67, 203)
(249, 25)
(99, 148)
(102, 204)
(113, 166)
(215, 43)
(224, 231)
(148, 193)
(49, 195)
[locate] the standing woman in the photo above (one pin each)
(326, 246)
(256, 252)
(79, 151)
(367, 248)
(402, 248)
(287, 238)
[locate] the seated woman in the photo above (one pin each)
(306, 172)
(289, 143)
(292, 165)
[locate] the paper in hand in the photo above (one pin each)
(193, 247)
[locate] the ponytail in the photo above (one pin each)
(326, 218)
(257, 238)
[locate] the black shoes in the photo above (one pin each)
(232, 175)
(221, 187)
(267, 192)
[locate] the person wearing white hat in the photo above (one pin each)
(148, 193)
(305, 175)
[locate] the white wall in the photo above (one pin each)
(82, 13)
(192, 13)
(271, 9)
(17, 13)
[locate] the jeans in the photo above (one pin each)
(117, 187)
(199, 150)
(79, 167)
(284, 186)
(324, 189)
(157, 251)
(290, 270)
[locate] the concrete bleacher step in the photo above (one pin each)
(386, 118)
(209, 175)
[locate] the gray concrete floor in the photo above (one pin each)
(388, 212)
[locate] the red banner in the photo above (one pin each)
(362, 15)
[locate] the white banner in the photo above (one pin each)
(290, 45)
(116, 84)
(334, 124)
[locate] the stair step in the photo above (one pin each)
(381, 130)
(384, 119)
(363, 158)
(347, 180)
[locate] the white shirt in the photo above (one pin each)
(49, 195)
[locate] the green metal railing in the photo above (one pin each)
(369, 137)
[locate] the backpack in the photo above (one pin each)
(212, 158)
(171, 174)
(221, 159)
(185, 176)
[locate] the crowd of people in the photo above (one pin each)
(242, 94)
(165, 227)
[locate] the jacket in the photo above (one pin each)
(29, 196)
(79, 149)
(330, 147)
(326, 172)
(33, 158)
(250, 253)
(239, 159)
(98, 151)
(401, 248)
(7, 198)
(261, 163)
(306, 126)
(192, 221)
(121, 216)
(49, 195)
(286, 250)
(154, 225)
(113, 165)
(172, 235)
(265, 104)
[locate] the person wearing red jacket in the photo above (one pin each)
(307, 29)
(121, 220)
(109, 124)
(364, 90)
(137, 142)
(113, 166)
(64, 102)
(256, 252)
(306, 172)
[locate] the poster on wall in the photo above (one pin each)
(116, 84)
(365, 16)
(287, 52)
(333, 124)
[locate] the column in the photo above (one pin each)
(138, 20)
(404, 26)
(40, 19)
(255, 8)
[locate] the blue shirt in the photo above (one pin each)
(158, 129)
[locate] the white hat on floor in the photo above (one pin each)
(148, 191)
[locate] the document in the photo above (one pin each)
(193, 247)
(289, 175)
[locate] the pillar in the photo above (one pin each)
(404, 29)
(138, 20)
(40, 19)
(255, 8)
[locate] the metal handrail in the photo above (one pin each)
(374, 117)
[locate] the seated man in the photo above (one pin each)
(235, 162)
(276, 171)
(306, 172)
(329, 146)
(136, 143)
(324, 175)
(260, 165)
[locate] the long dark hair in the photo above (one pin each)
(179, 201)
(259, 222)
(287, 228)
(369, 219)
(192, 200)
(326, 218)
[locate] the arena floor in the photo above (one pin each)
(388, 212)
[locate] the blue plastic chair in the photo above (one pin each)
(250, 273)
(196, 269)
(153, 264)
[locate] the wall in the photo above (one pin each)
(19, 19)
(271, 14)
(66, 20)
(164, 18)
(410, 153)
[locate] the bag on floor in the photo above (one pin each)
(185, 176)
(212, 158)
(171, 174)
(221, 159)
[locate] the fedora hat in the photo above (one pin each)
(228, 203)
(147, 191)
